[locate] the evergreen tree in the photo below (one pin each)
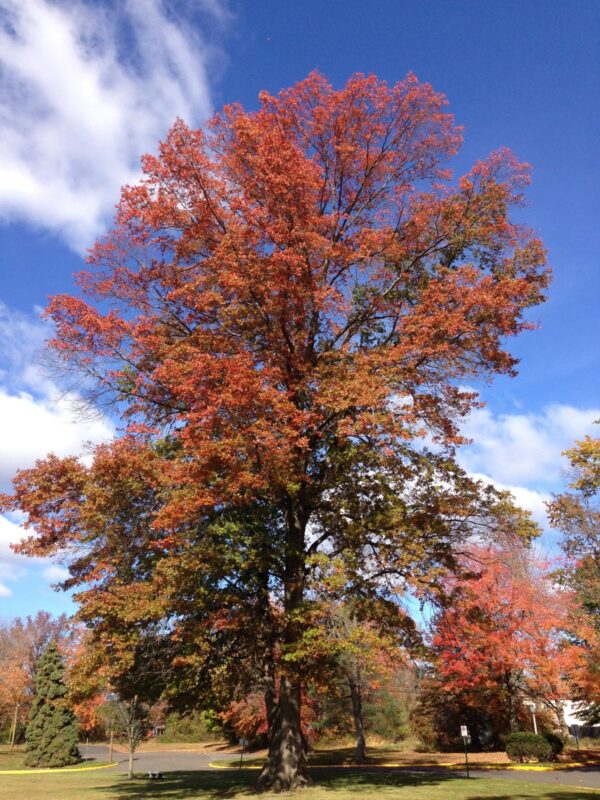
(52, 738)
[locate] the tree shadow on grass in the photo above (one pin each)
(377, 756)
(219, 786)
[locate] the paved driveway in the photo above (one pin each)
(584, 777)
(164, 761)
(189, 761)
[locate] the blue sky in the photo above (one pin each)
(86, 87)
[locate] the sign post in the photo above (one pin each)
(464, 732)
(110, 744)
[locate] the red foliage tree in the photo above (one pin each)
(504, 632)
(292, 296)
(577, 514)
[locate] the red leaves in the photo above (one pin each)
(507, 624)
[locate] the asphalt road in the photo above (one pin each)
(164, 761)
(583, 777)
(187, 761)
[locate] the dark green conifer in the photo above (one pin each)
(52, 736)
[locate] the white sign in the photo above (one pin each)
(244, 742)
(464, 732)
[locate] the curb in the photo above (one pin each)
(532, 767)
(55, 770)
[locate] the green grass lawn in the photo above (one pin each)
(15, 759)
(11, 759)
(378, 785)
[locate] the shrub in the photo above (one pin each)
(523, 747)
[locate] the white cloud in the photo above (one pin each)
(30, 428)
(523, 453)
(35, 418)
(54, 573)
(85, 89)
(524, 450)
(12, 566)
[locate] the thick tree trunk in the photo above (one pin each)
(560, 716)
(557, 707)
(356, 696)
(286, 762)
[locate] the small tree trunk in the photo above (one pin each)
(356, 696)
(286, 763)
(132, 733)
(13, 737)
(270, 700)
(511, 707)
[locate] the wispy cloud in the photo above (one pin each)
(85, 89)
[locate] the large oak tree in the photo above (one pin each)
(290, 303)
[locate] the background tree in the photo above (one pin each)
(363, 655)
(577, 515)
(130, 721)
(22, 642)
(502, 634)
(293, 295)
(52, 737)
(15, 680)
